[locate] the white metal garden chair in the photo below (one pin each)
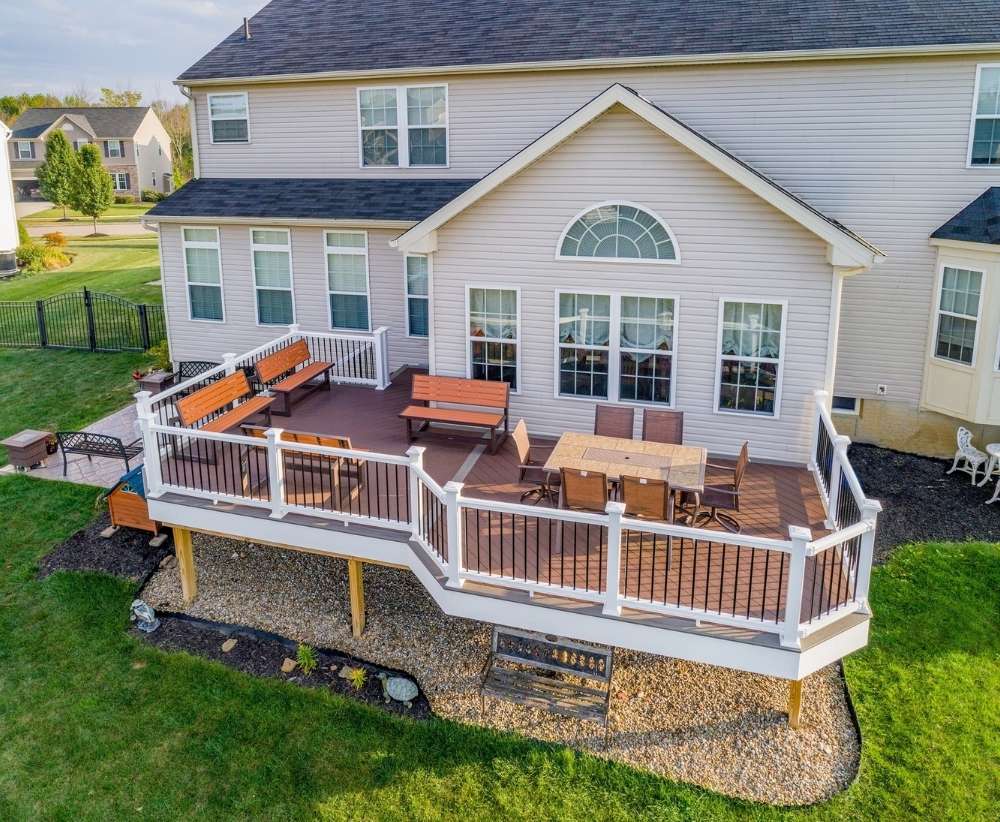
(967, 458)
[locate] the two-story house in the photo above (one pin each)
(132, 140)
(737, 211)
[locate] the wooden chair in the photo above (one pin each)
(663, 426)
(530, 468)
(647, 498)
(583, 490)
(723, 496)
(614, 421)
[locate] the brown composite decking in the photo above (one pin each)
(714, 575)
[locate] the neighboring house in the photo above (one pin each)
(131, 139)
(723, 209)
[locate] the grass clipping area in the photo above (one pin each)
(98, 725)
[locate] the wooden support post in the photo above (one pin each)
(185, 563)
(795, 703)
(356, 584)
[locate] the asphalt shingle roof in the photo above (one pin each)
(329, 199)
(121, 122)
(978, 222)
(308, 36)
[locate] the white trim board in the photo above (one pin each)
(844, 248)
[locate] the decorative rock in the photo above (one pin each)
(228, 645)
(169, 561)
(347, 671)
(288, 665)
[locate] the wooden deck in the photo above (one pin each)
(712, 574)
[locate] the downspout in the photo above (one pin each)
(193, 117)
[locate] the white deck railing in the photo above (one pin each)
(789, 587)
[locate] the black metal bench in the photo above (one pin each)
(96, 445)
(516, 656)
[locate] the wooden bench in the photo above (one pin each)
(216, 396)
(458, 391)
(284, 362)
(341, 469)
(96, 445)
(540, 686)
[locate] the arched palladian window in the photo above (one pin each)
(618, 231)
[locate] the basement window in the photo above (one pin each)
(846, 405)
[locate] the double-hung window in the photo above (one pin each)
(25, 149)
(229, 116)
(203, 269)
(271, 257)
(114, 149)
(417, 295)
(404, 126)
(347, 279)
(958, 315)
(751, 351)
(120, 180)
(617, 347)
(984, 144)
(493, 335)
(78, 144)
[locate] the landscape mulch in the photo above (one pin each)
(261, 653)
(921, 503)
(125, 554)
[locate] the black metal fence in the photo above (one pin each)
(90, 320)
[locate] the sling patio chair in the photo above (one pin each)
(614, 421)
(530, 467)
(663, 426)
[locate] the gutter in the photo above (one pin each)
(596, 63)
(193, 117)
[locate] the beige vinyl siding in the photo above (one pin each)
(878, 144)
(731, 243)
(154, 152)
(192, 339)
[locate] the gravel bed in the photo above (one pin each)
(920, 502)
(721, 729)
(125, 554)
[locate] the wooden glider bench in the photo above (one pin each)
(549, 656)
(283, 362)
(215, 397)
(458, 391)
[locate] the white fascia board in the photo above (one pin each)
(845, 251)
(965, 245)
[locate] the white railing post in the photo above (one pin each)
(612, 578)
(294, 328)
(381, 358)
(820, 398)
(869, 513)
(275, 473)
(840, 445)
(416, 455)
(150, 448)
(229, 360)
(800, 538)
(452, 496)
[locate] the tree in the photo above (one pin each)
(93, 191)
(57, 174)
(125, 97)
(174, 117)
(78, 97)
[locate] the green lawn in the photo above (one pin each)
(117, 213)
(61, 390)
(98, 726)
(116, 265)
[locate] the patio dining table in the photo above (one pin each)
(682, 466)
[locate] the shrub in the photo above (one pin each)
(161, 356)
(306, 657)
(30, 257)
(23, 238)
(124, 199)
(53, 258)
(151, 196)
(54, 239)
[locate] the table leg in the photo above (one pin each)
(991, 466)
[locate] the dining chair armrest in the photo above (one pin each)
(729, 468)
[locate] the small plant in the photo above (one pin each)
(306, 657)
(161, 356)
(357, 677)
(54, 239)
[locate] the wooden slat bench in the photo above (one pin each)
(282, 365)
(218, 395)
(549, 655)
(458, 391)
